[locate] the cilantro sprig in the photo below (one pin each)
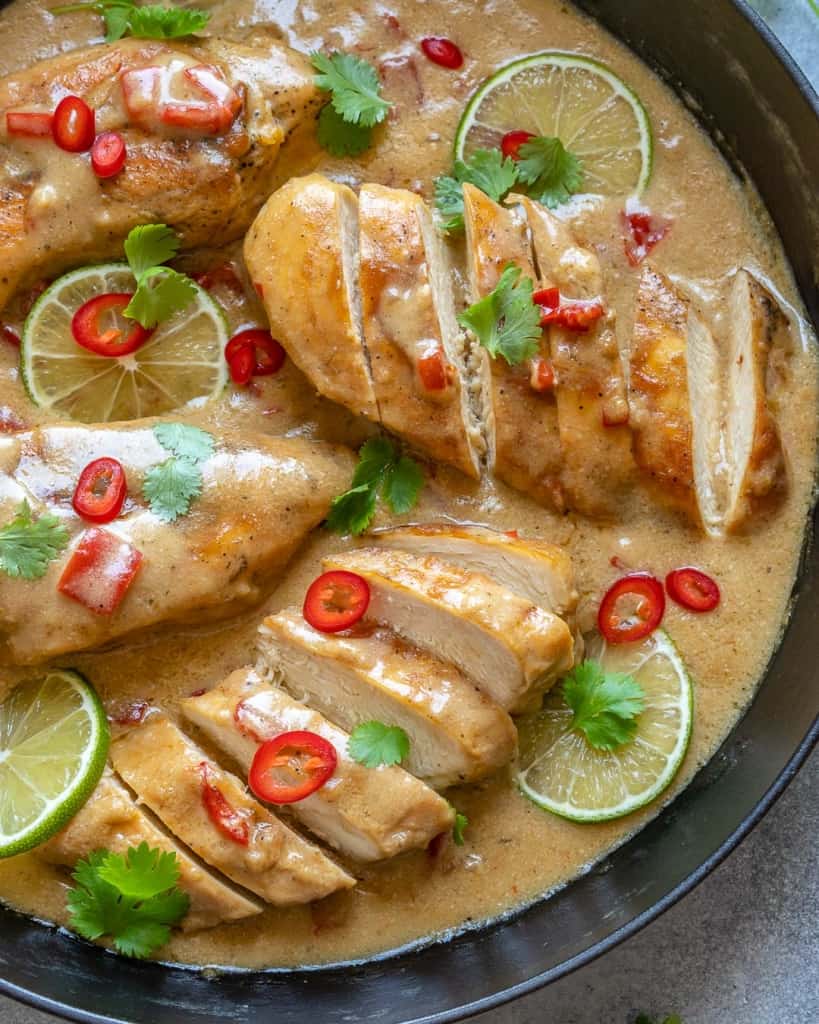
(458, 829)
(133, 898)
(506, 322)
(345, 124)
(374, 743)
(27, 545)
(152, 21)
(160, 291)
(605, 704)
(381, 471)
(546, 171)
(170, 487)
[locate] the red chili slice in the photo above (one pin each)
(216, 114)
(221, 812)
(432, 369)
(542, 375)
(132, 714)
(74, 127)
(443, 52)
(9, 335)
(100, 571)
(644, 593)
(692, 589)
(574, 315)
(29, 124)
(108, 154)
(336, 601)
(88, 331)
(291, 766)
(100, 491)
(268, 355)
(643, 232)
(512, 141)
(241, 364)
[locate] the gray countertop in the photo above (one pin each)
(743, 948)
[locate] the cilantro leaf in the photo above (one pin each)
(374, 743)
(605, 704)
(133, 899)
(153, 302)
(148, 245)
(185, 440)
(339, 137)
(354, 85)
(170, 487)
(117, 19)
(157, 22)
(458, 829)
(380, 472)
(27, 545)
(486, 169)
(551, 172)
(506, 321)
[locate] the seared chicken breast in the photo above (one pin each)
(592, 406)
(212, 812)
(456, 733)
(367, 814)
(522, 425)
(415, 347)
(511, 648)
(218, 558)
(302, 255)
(111, 820)
(203, 123)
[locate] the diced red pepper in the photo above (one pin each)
(10, 422)
(88, 331)
(573, 315)
(100, 491)
(100, 571)
(132, 714)
(512, 141)
(148, 99)
(108, 154)
(643, 232)
(29, 124)
(442, 52)
(221, 812)
(74, 126)
(140, 91)
(542, 376)
(433, 370)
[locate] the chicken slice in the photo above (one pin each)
(365, 813)
(456, 733)
(207, 182)
(512, 649)
(302, 255)
(211, 811)
(416, 349)
(224, 547)
(110, 820)
(522, 425)
(759, 338)
(592, 408)
(540, 572)
(674, 370)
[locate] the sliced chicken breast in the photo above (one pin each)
(757, 469)
(302, 254)
(674, 370)
(110, 820)
(416, 349)
(211, 811)
(367, 814)
(225, 545)
(592, 407)
(205, 180)
(456, 733)
(511, 648)
(522, 424)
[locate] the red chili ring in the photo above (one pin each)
(86, 330)
(101, 490)
(320, 760)
(336, 601)
(74, 127)
(241, 363)
(268, 354)
(692, 589)
(512, 141)
(442, 52)
(649, 612)
(108, 154)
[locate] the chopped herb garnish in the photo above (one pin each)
(134, 898)
(486, 169)
(374, 743)
(458, 829)
(551, 173)
(170, 487)
(160, 291)
(381, 471)
(27, 545)
(506, 321)
(356, 105)
(153, 21)
(605, 704)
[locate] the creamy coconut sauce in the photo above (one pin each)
(514, 852)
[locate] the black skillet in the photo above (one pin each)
(765, 117)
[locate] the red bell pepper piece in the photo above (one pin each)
(100, 571)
